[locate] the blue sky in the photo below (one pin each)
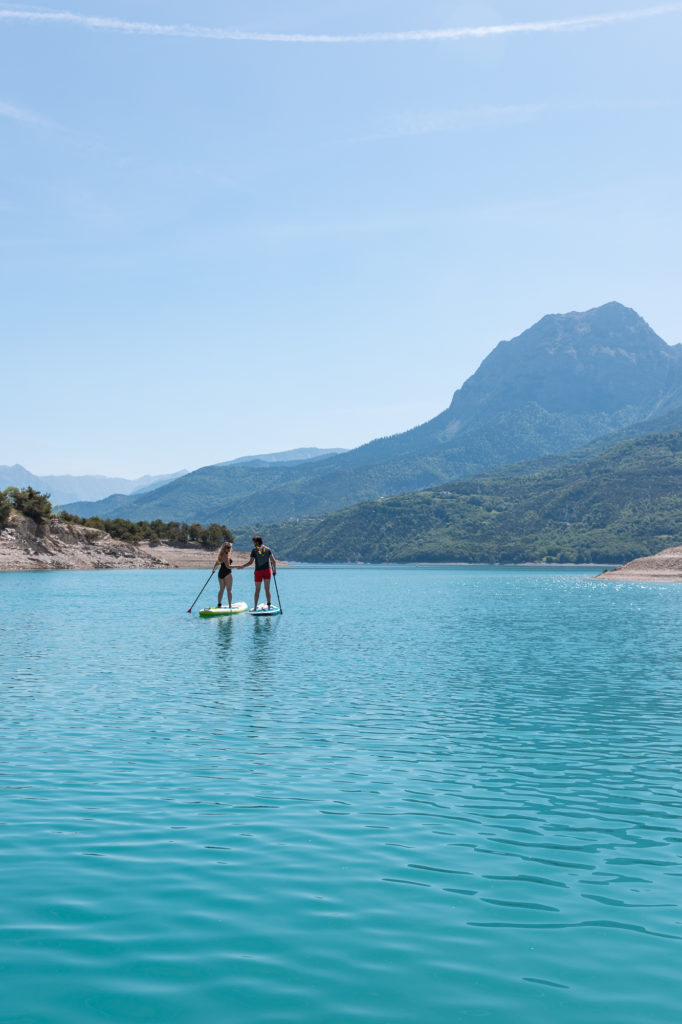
(218, 238)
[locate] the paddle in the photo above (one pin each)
(278, 597)
(189, 610)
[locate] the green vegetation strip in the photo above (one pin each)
(37, 506)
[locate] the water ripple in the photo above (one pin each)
(403, 813)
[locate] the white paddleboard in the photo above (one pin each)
(210, 613)
(263, 609)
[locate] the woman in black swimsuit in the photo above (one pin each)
(225, 575)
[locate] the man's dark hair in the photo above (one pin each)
(257, 540)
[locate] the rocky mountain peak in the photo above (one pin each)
(595, 362)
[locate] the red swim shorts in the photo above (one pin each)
(262, 574)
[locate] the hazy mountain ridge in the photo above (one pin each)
(565, 381)
(290, 456)
(66, 488)
(75, 491)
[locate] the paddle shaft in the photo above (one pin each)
(189, 610)
(278, 597)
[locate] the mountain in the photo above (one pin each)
(150, 483)
(121, 504)
(293, 455)
(621, 504)
(67, 490)
(569, 379)
(64, 489)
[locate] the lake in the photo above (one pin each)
(423, 794)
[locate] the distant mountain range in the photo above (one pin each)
(65, 489)
(568, 380)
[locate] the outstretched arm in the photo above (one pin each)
(245, 565)
(273, 563)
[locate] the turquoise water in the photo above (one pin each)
(420, 795)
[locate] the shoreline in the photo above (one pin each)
(57, 545)
(663, 567)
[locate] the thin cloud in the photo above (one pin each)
(432, 122)
(439, 121)
(584, 23)
(8, 110)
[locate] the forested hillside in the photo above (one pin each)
(623, 503)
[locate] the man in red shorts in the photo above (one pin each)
(264, 559)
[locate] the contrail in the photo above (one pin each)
(143, 28)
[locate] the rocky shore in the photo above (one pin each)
(59, 545)
(663, 567)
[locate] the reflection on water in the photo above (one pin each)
(462, 805)
(264, 638)
(224, 634)
(256, 648)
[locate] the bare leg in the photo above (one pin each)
(267, 592)
(221, 591)
(255, 600)
(228, 580)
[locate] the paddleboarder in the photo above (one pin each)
(265, 568)
(224, 560)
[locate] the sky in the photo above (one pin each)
(230, 228)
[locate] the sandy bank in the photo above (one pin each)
(663, 567)
(59, 545)
(189, 557)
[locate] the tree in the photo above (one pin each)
(31, 503)
(175, 533)
(5, 509)
(94, 522)
(214, 535)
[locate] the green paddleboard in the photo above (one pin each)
(211, 613)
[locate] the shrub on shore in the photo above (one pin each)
(29, 502)
(153, 532)
(5, 509)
